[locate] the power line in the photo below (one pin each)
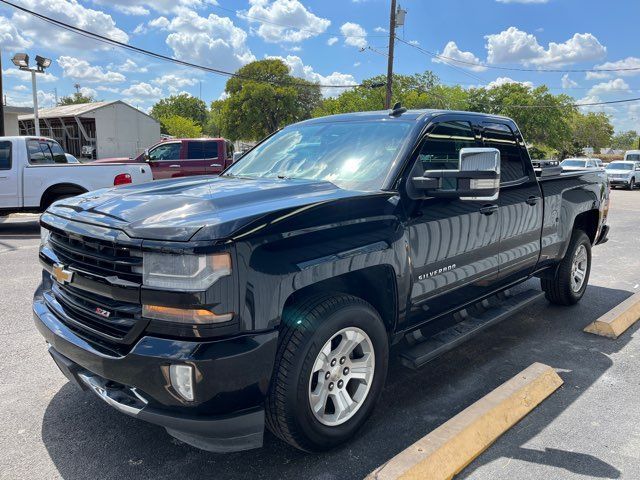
(521, 69)
(159, 56)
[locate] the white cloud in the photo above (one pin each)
(26, 76)
(81, 70)
(163, 6)
(10, 38)
(142, 90)
(607, 87)
(213, 41)
(132, 9)
(160, 22)
(452, 51)
(88, 92)
(299, 69)
(68, 11)
(567, 82)
(45, 99)
(174, 83)
(131, 66)
(506, 80)
(140, 29)
(629, 62)
(104, 88)
(300, 23)
(332, 41)
(355, 35)
(515, 46)
(380, 30)
(21, 88)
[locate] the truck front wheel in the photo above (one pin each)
(572, 276)
(330, 370)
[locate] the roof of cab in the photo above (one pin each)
(409, 115)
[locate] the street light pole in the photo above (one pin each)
(1, 101)
(36, 120)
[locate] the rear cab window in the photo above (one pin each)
(512, 162)
(195, 150)
(5, 155)
(211, 149)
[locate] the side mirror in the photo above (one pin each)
(146, 155)
(477, 178)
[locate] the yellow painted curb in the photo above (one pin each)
(455, 444)
(613, 323)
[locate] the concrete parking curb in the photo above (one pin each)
(613, 323)
(455, 444)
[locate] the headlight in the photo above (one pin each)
(184, 272)
(44, 236)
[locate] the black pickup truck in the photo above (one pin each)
(273, 294)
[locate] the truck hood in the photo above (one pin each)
(176, 209)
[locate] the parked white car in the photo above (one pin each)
(632, 156)
(623, 174)
(572, 164)
(35, 172)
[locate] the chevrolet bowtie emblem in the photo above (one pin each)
(61, 275)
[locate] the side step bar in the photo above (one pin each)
(420, 354)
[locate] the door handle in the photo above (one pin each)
(174, 166)
(489, 209)
(532, 200)
(215, 165)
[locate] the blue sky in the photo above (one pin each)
(321, 40)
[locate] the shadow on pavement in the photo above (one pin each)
(87, 439)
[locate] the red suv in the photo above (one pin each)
(183, 157)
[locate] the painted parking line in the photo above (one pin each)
(448, 449)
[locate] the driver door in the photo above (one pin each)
(164, 160)
(453, 243)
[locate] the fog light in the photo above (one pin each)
(182, 380)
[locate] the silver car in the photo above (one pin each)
(623, 174)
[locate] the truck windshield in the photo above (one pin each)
(352, 155)
(620, 166)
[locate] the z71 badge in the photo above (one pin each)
(433, 273)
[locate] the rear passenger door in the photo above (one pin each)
(453, 243)
(214, 157)
(520, 202)
(194, 162)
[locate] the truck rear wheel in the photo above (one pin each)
(330, 370)
(572, 276)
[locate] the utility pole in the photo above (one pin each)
(1, 101)
(392, 41)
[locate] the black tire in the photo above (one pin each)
(632, 184)
(306, 327)
(558, 290)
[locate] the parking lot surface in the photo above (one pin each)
(590, 428)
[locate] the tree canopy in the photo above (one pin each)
(183, 105)
(625, 140)
(262, 98)
(75, 99)
(181, 127)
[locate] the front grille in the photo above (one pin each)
(97, 256)
(93, 316)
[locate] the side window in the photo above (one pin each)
(500, 136)
(229, 149)
(39, 153)
(168, 151)
(210, 149)
(441, 148)
(58, 153)
(5, 155)
(195, 151)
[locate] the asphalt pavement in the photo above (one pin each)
(590, 428)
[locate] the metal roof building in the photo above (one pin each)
(114, 129)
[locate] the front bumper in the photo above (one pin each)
(616, 182)
(232, 378)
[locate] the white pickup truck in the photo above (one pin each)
(35, 172)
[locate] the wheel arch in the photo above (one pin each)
(59, 189)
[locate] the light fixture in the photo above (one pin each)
(21, 60)
(182, 380)
(43, 62)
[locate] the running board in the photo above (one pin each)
(420, 354)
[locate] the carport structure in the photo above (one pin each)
(113, 128)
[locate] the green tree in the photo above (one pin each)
(181, 127)
(592, 130)
(183, 105)
(76, 98)
(625, 140)
(262, 98)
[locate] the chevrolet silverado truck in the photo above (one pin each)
(183, 157)
(272, 295)
(35, 172)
